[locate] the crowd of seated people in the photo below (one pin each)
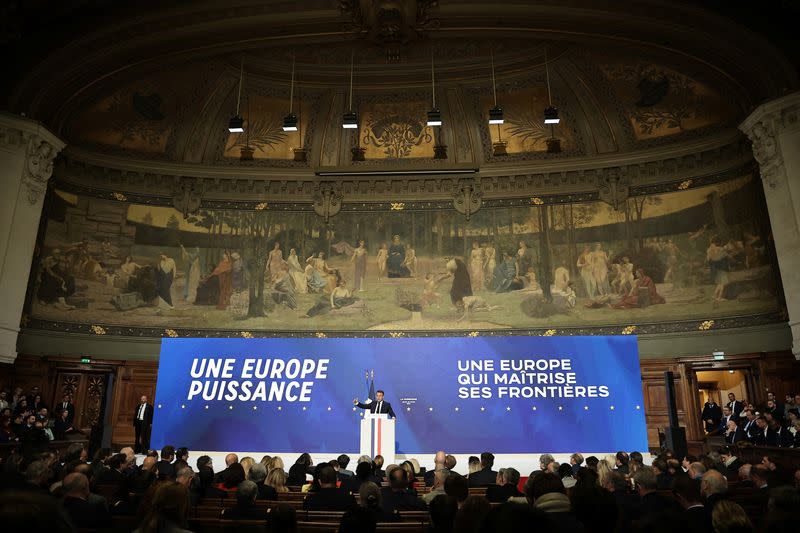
(717, 492)
(772, 423)
(26, 419)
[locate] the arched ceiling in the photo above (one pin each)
(627, 75)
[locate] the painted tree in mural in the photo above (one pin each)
(569, 218)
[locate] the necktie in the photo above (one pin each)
(141, 412)
(379, 407)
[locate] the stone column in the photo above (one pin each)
(774, 129)
(27, 150)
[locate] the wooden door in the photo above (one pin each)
(88, 391)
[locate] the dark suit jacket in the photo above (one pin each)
(86, 515)
(653, 503)
(401, 501)
(329, 500)
(265, 492)
(699, 519)
(60, 407)
(245, 512)
(386, 407)
(749, 427)
(735, 437)
(736, 408)
(501, 493)
(713, 413)
(483, 478)
(148, 414)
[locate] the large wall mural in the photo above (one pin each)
(703, 253)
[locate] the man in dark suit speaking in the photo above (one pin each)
(142, 420)
(378, 406)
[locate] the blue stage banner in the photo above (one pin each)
(462, 394)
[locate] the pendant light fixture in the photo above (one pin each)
(495, 113)
(550, 112)
(236, 124)
(290, 120)
(434, 115)
(350, 117)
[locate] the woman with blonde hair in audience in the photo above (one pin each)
(729, 517)
(276, 478)
(168, 511)
(267, 462)
(603, 473)
(277, 462)
(246, 463)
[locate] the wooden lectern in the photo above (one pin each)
(377, 437)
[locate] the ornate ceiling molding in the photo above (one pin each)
(156, 182)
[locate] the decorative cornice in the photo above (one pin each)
(36, 324)
(41, 147)
(764, 126)
(155, 183)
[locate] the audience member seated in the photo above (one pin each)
(357, 520)
(567, 475)
(258, 474)
(299, 470)
(165, 468)
(168, 510)
(438, 462)
(362, 475)
(485, 476)
(245, 508)
(328, 497)
(471, 514)
(33, 512)
(687, 492)
(506, 487)
(443, 510)
(439, 479)
(651, 502)
(369, 497)
(82, 513)
(397, 496)
(547, 494)
(144, 477)
(230, 459)
(729, 517)
(234, 475)
(343, 461)
(457, 486)
(276, 478)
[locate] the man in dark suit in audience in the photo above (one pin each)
(246, 508)
(733, 433)
(727, 414)
(485, 476)
(397, 496)
(749, 423)
(438, 463)
(164, 467)
(687, 492)
(713, 488)
(622, 459)
(759, 475)
(328, 497)
(82, 513)
(646, 485)
(730, 462)
(735, 405)
(141, 480)
(506, 487)
(230, 459)
(712, 415)
(142, 422)
(66, 404)
(760, 433)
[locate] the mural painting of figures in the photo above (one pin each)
(395, 264)
(359, 259)
(663, 258)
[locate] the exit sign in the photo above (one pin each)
(86, 360)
